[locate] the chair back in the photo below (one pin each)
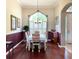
(35, 37)
(36, 32)
(27, 36)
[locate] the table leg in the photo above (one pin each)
(26, 45)
(39, 47)
(29, 46)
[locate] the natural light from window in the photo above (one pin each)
(38, 22)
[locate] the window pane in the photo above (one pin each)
(38, 22)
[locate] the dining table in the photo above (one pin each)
(43, 38)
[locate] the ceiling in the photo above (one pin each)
(41, 3)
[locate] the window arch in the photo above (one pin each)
(38, 22)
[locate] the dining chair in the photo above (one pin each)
(45, 37)
(35, 41)
(27, 38)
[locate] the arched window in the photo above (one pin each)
(38, 22)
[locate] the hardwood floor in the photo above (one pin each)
(52, 52)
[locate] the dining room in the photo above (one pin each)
(31, 31)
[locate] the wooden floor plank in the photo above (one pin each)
(52, 52)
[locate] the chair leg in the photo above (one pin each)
(45, 46)
(29, 46)
(32, 48)
(38, 48)
(26, 45)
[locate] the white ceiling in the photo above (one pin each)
(41, 3)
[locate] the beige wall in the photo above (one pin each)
(12, 8)
(60, 6)
(47, 11)
(58, 10)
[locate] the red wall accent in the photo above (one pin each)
(15, 37)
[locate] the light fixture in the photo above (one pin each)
(37, 6)
(37, 13)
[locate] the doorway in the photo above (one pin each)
(66, 26)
